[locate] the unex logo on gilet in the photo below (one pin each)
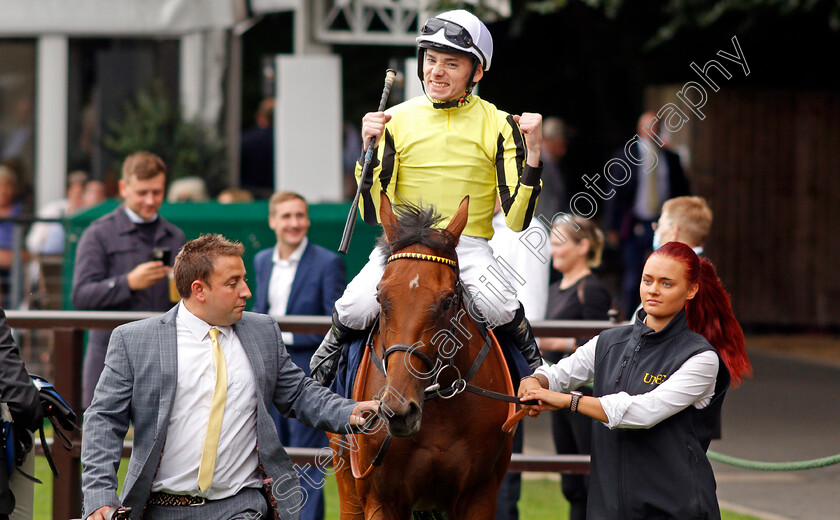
(654, 380)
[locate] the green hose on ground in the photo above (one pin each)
(773, 466)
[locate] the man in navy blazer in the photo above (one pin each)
(297, 277)
(163, 375)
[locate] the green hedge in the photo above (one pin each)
(247, 223)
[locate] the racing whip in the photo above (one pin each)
(390, 74)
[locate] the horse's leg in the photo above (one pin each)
(350, 508)
(387, 509)
(480, 504)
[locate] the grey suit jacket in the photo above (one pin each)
(138, 386)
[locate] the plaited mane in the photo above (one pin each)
(418, 225)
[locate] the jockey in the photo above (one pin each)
(437, 149)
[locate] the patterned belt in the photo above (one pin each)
(159, 498)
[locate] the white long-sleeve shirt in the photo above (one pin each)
(236, 460)
(693, 384)
(527, 255)
(280, 282)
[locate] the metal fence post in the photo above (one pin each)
(16, 272)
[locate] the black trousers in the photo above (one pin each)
(573, 436)
(506, 508)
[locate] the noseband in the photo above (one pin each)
(411, 349)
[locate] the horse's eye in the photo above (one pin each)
(447, 304)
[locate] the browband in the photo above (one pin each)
(422, 256)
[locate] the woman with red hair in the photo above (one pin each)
(658, 386)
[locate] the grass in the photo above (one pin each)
(540, 498)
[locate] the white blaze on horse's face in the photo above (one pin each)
(415, 282)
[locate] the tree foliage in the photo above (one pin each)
(685, 14)
(189, 149)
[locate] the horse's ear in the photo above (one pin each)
(386, 216)
(459, 221)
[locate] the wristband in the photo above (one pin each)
(573, 406)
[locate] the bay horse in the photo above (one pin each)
(443, 452)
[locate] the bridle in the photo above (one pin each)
(435, 367)
(431, 364)
(459, 385)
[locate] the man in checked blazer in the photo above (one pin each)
(161, 376)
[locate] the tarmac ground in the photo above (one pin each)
(788, 411)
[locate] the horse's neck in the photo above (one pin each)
(470, 340)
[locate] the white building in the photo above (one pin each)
(67, 67)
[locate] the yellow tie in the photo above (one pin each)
(217, 411)
(653, 186)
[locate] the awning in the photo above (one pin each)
(124, 18)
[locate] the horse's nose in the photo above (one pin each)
(405, 422)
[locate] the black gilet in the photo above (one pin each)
(660, 472)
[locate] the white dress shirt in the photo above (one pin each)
(137, 219)
(47, 238)
(692, 384)
(236, 461)
(280, 283)
(530, 263)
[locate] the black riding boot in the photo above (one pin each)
(519, 331)
(324, 362)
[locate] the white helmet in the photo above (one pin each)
(459, 31)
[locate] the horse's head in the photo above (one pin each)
(419, 296)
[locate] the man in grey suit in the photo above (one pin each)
(197, 384)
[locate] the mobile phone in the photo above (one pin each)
(162, 254)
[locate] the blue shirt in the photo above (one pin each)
(7, 229)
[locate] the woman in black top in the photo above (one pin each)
(578, 295)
